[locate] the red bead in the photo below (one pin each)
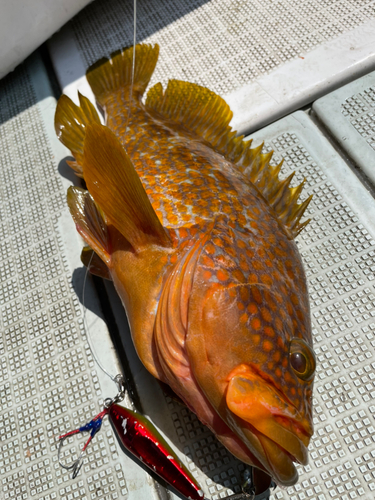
(142, 439)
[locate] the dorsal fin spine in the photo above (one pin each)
(260, 178)
(299, 212)
(271, 187)
(281, 192)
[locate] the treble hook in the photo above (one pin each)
(94, 426)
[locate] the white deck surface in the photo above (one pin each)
(349, 116)
(285, 53)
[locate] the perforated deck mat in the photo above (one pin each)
(338, 251)
(266, 57)
(349, 115)
(50, 384)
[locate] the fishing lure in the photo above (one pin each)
(139, 436)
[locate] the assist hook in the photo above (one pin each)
(93, 427)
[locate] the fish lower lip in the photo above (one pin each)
(263, 412)
(285, 439)
(282, 468)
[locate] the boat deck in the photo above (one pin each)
(269, 60)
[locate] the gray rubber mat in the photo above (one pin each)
(349, 115)
(266, 58)
(50, 383)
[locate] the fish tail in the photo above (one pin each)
(107, 76)
(70, 125)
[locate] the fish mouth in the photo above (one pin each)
(261, 411)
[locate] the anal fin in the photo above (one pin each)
(116, 187)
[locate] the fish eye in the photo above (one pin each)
(302, 359)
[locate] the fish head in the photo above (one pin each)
(250, 348)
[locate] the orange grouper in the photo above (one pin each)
(196, 231)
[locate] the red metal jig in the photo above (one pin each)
(143, 440)
(139, 436)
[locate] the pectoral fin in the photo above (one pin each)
(94, 263)
(114, 184)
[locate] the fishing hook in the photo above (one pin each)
(93, 427)
(248, 489)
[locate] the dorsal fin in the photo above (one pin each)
(90, 221)
(107, 76)
(114, 184)
(208, 115)
(70, 123)
(201, 111)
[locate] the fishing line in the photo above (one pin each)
(248, 490)
(133, 62)
(91, 347)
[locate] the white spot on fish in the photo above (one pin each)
(124, 422)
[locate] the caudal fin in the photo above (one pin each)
(70, 125)
(107, 76)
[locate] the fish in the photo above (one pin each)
(196, 231)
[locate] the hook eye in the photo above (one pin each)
(76, 465)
